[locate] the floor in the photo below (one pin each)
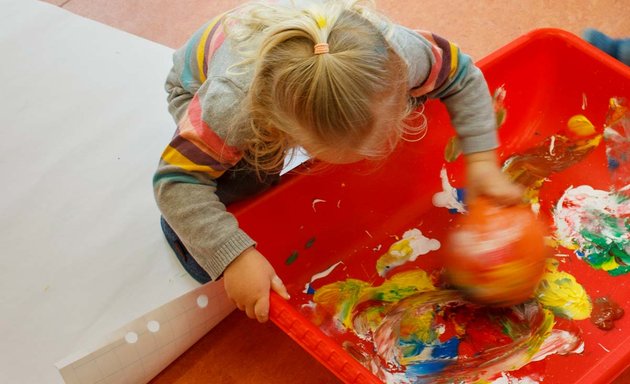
(242, 351)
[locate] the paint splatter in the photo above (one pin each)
(555, 154)
(581, 126)
(450, 198)
(617, 139)
(412, 245)
(584, 102)
(308, 288)
(315, 202)
(498, 102)
(452, 150)
(562, 294)
(596, 225)
(605, 313)
(309, 243)
(291, 259)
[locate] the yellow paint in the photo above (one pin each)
(617, 112)
(610, 264)
(398, 252)
(420, 327)
(342, 297)
(581, 126)
(562, 294)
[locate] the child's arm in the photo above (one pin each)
(437, 69)
(185, 189)
(186, 181)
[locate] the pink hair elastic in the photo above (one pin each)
(321, 48)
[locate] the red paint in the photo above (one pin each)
(605, 312)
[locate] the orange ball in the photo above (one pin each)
(496, 255)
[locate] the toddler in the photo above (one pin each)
(330, 76)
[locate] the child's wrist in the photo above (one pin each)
(481, 157)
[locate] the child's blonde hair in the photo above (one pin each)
(324, 100)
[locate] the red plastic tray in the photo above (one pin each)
(546, 74)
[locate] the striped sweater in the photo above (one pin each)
(203, 97)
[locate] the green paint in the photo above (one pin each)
(452, 150)
(291, 259)
(309, 243)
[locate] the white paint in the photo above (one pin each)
(552, 145)
(576, 210)
(559, 342)
(315, 202)
(447, 198)
(604, 348)
(321, 275)
(506, 378)
(584, 102)
(420, 244)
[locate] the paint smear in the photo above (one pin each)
(555, 154)
(617, 139)
(450, 198)
(412, 245)
(412, 332)
(342, 298)
(562, 294)
(596, 225)
(498, 102)
(508, 379)
(605, 313)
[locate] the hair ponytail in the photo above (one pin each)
(296, 95)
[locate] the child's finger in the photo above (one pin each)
(278, 286)
(249, 310)
(261, 309)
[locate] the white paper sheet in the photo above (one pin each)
(139, 350)
(83, 120)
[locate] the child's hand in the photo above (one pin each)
(248, 280)
(484, 177)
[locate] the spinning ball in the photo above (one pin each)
(496, 255)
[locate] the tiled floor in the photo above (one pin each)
(240, 350)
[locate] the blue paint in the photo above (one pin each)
(442, 354)
(310, 290)
(461, 195)
(613, 163)
(446, 350)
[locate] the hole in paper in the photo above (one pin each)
(202, 301)
(131, 337)
(153, 326)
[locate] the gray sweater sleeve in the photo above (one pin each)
(185, 182)
(437, 69)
